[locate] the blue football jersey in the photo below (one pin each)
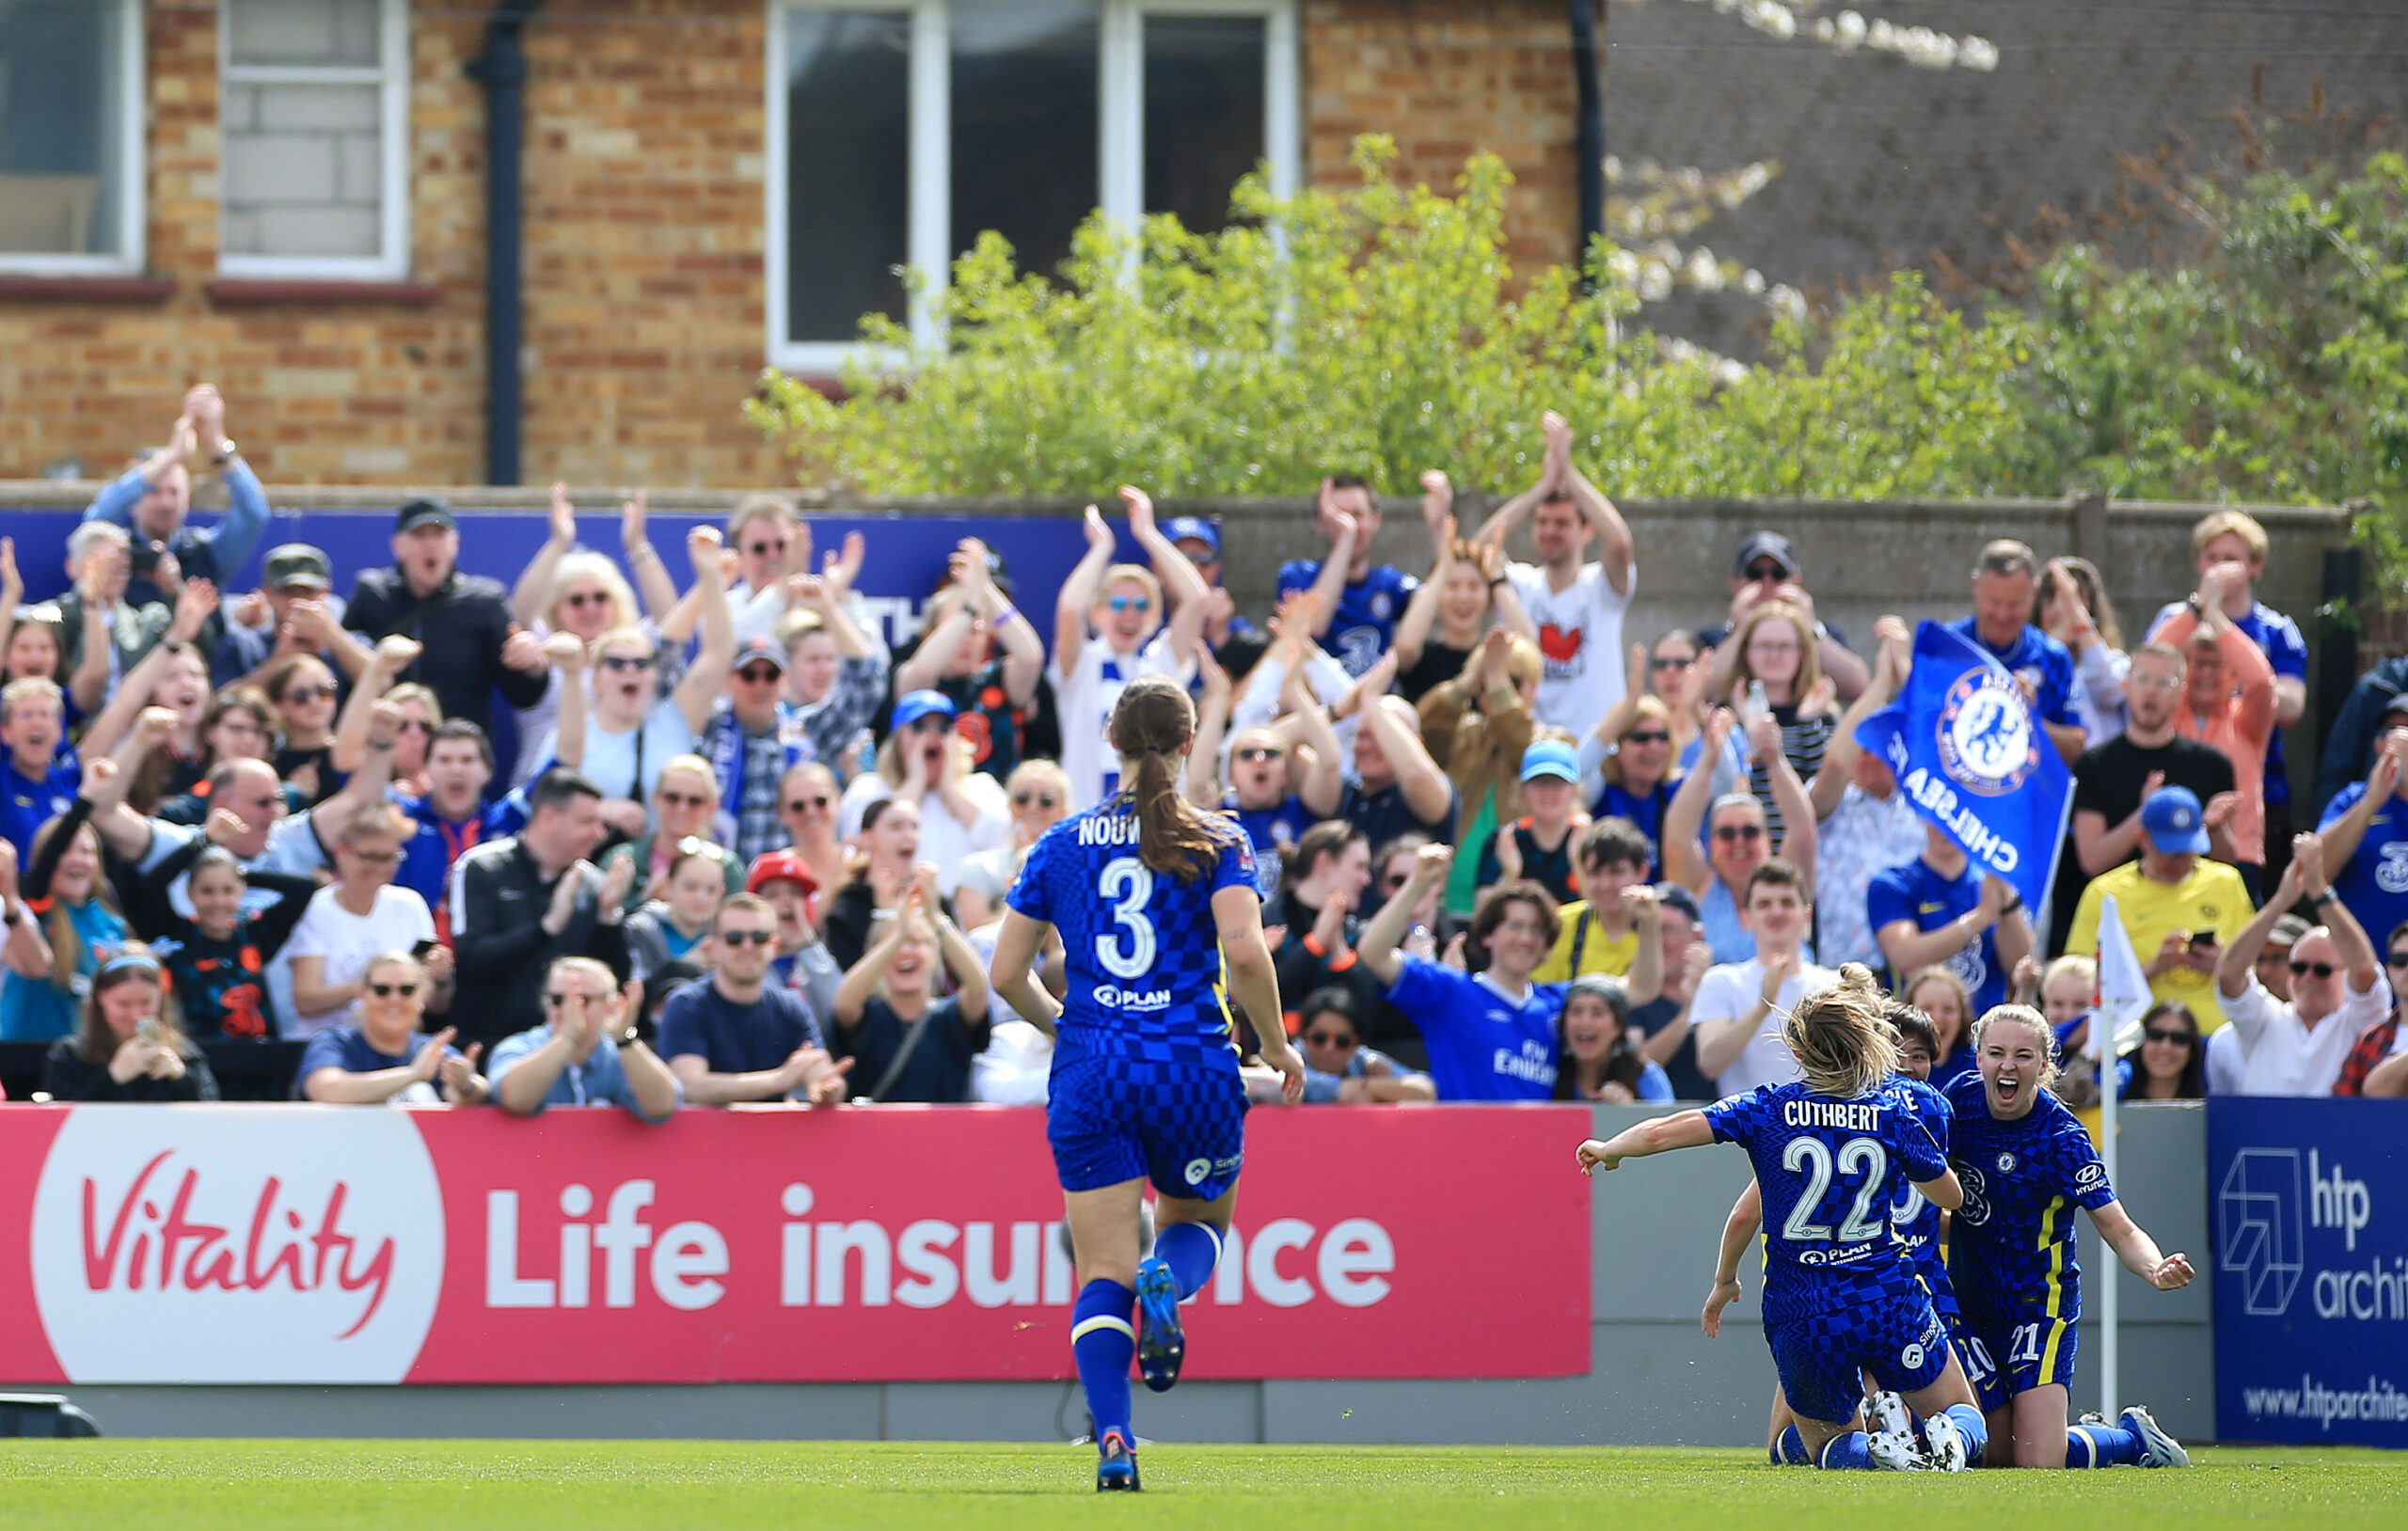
(1912, 1217)
(2011, 1246)
(1364, 623)
(1829, 1172)
(1140, 948)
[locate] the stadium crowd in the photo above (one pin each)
(746, 851)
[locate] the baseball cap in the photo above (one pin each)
(2287, 931)
(1674, 896)
(757, 650)
(914, 705)
(1550, 757)
(1765, 544)
(424, 511)
(2175, 824)
(781, 866)
(1181, 528)
(297, 565)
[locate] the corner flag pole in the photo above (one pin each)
(2122, 998)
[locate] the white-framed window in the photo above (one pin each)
(899, 129)
(71, 137)
(313, 109)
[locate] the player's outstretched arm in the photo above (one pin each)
(1012, 971)
(1657, 1135)
(1739, 1232)
(2138, 1251)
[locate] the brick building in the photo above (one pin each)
(288, 196)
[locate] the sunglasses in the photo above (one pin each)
(758, 676)
(1042, 799)
(1329, 1040)
(1395, 880)
(623, 662)
(301, 696)
(804, 804)
(683, 800)
(763, 549)
(2397, 959)
(386, 991)
(2321, 969)
(1762, 572)
(577, 600)
(747, 938)
(416, 725)
(1262, 753)
(1651, 737)
(1672, 664)
(696, 846)
(2154, 1034)
(1739, 831)
(554, 1000)
(1131, 603)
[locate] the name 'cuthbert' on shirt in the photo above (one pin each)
(1827, 1113)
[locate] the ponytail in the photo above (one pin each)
(1841, 1038)
(1151, 724)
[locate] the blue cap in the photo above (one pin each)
(1181, 529)
(914, 705)
(2173, 822)
(1550, 757)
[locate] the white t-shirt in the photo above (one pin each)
(2226, 1061)
(1084, 699)
(1580, 633)
(348, 942)
(612, 760)
(2281, 1056)
(1729, 991)
(291, 846)
(944, 841)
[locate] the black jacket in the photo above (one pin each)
(462, 626)
(2349, 751)
(67, 1077)
(498, 899)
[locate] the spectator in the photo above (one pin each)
(926, 763)
(217, 959)
(835, 672)
(170, 676)
(1429, 928)
(1481, 725)
(772, 546)
(2234, 538)
(985, 657)
(1312, 915)
(2297, 1047)
(2179, 909)
(684, 905)
(1108, 630)
(1577, 606)
(906, 1040)
(1774, 653)
(2069, 989)
(807, 799)
(567, 590)
(1538, 845)
(37, 782)
(127, 1048)
(152, 499)
(104, 634)
(2074, 609)
(2005, 586)
(238, 725)
(384, 1056)
(1039, 797)
(738, 1037)
(2229, 704)
(685, 811)
(563, 1063)
(1737, 1014)
(469, 645)
(2378, 703)
(302, 691)
(358, 915)
(1338, 1067)
(1465, 594)
(1940, 994)
(751, 739)
(2388, 1041)
(1360, 601)
(1767, 569)
(1260, 773)
(1633, 754)
(1601, 930)
(2366, 832)
(1664, 1022)
(453, 818)
(64, 931)
(882, 868)
(1939, 909)
(1601, 1060)
(783, 881)
(2113, 778)
(1678, 678)
(519, 903)
(291, 614)
(1198, 540)
(1492, 1034)
(1738, 839)
(1864, 823)
(2168, 1063)
(1395, 787)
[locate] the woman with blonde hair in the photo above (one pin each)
(1039, 797)
(1109, 630)
(129, 1046)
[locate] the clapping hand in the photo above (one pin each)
(430, 1060)
(563, 516)
(1100, 537)
(459, 1070)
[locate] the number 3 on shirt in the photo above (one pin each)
(1127, 951)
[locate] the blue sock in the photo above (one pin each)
(2102, 1446)
(1191, 1250)
(1790, 1450)
(1105, 1341)
(1847, 1449)
(1973, 1427)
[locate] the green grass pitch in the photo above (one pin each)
(529, 1486)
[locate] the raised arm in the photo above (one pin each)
(652, 580)
(699, 690)
(195, 602)
(1202, 781)
(1890, 665)
(926, 665)
(1425, 786)
(1188, 594)
(2239, 958)
(961, 960)
(535, 580)
(2138, 1251)
(2343, 836)
(394, 654)
(1421, 611)
(1684, 862)
(1331, 583)
(1077, 596)
(1797, 832)
(862, 980)
(1376, 945)
(1613, 532)
(372, 775)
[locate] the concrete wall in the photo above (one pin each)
(1653, 1380)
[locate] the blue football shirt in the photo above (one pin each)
(1484, 1045)
(2373, 882)
(2011, 1246)
(1919, 893)
(1912, 1216)
(1830, 1173)
(1364, 623)
(1140, 948)
(2034, 650)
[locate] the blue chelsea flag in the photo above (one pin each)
(1972, 756)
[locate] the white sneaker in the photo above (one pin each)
(1948, 1444)
(2157, 1449)
(1891, 1441)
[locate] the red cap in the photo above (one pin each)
(781, 866)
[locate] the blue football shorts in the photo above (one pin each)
(1820, 1356)
(1175, 1116)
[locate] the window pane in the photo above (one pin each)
(847, 169)
(304, 169)
(339, 33)
(59, 149)
(1203, 112)
(1023, 125)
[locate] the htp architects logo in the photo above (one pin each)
(214, 1244)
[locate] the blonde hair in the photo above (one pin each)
(759, 506)
(691, 766)
(2239, 524)
(1842, 1038)
(2023, 1015)
(2072, 962)
(594, 566)
(1810, 659)
(1136, 573)
(1948, 978)
(424, 697)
